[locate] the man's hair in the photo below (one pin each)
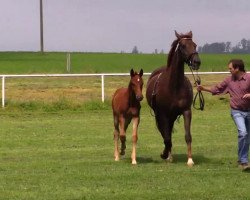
(237, 63)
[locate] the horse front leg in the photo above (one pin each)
(187, 124)
(136, 121)
(116, 138)
(122, 135)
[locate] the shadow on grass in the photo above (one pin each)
(177, 158)
(146, 160)
(197, 158)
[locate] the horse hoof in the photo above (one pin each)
(169, 159)
(190, 162)
(134, 162)
(164, 156)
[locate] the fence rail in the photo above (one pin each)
(102, 75)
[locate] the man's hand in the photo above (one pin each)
(246, 96)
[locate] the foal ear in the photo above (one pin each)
(132, 73)
(141, 72)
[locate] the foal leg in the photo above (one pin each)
(116, 138)
(136, 121)
(122, 135)
(187, 115)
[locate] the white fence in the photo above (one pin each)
(101, 75)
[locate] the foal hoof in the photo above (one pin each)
(117, 159)
(190, 162)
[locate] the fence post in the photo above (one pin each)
(102, 88)
(3, 91)
(68, 62)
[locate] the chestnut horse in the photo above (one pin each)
(170, 93)
(126, 106)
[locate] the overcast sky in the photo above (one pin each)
(119, 25)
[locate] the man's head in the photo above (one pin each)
(236, 65)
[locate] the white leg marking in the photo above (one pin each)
(190, 162)
(169, 158)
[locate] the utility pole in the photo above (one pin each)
(41, 25)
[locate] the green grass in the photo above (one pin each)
(69, 155)
(53, 62)
(57, 137)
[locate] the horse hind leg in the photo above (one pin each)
(168, 141)
(165, 126)
(116, 138)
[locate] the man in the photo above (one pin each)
(238, 87)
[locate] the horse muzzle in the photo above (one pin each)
(195, 62)
(139, 97)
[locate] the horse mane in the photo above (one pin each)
(172, 51)
(173, 48)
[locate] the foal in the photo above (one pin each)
(126, 106)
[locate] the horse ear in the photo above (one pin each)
(190, 34)
(177, 35)
(132, 73)
(141, 72)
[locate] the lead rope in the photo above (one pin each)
(154, 93)
(198, 94)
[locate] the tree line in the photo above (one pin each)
(217, 47)
(226, 47)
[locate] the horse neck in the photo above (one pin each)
(176, 71)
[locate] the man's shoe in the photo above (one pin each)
(245, 167)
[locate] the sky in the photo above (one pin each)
(119, 25)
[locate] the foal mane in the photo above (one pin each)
(173, 48)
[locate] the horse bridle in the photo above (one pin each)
(196, 79)
(189, 58)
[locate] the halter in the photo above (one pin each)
(188, 61)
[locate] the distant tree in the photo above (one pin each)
(220, 47)
(244, 44)
(135, 50)
(200, 49)
(214, 48)
(248, 46)
(237, 48)
(156, 51)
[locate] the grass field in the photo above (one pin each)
(57, 137)
(69, 155)
(32, 62)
